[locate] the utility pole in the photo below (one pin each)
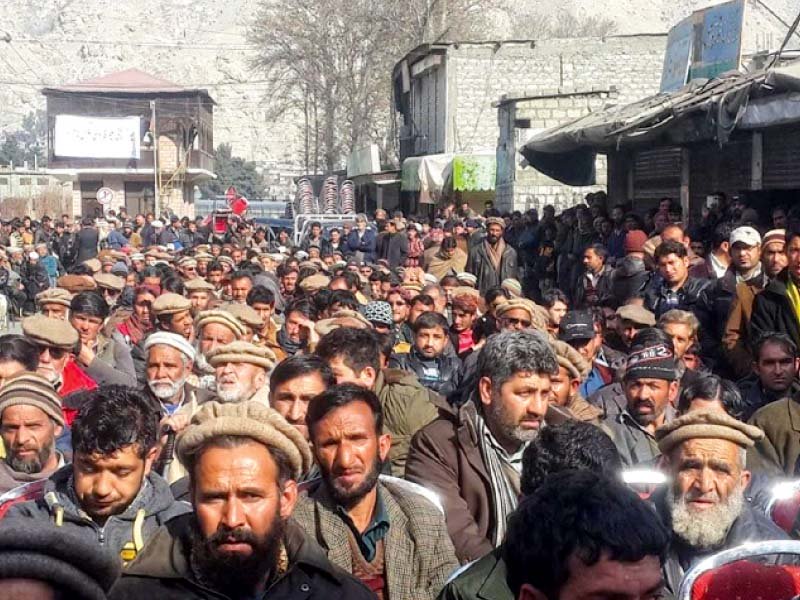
(157, 193)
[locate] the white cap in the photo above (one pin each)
(33, 256)
(746, 235)
(157, 224)
(170, 339)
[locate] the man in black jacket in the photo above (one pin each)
(232, 546)
(87, 240)
(492, 261)
(705, 505)
(436, 368)
(594, 286)
(778, 306)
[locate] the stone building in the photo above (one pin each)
(144, 143)
(446, 99)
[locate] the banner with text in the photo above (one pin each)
(97, 137)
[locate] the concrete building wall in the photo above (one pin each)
(479, 74)
(522, 188)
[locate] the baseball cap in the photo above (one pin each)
(576, 325)
(746, 235)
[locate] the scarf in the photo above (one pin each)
(794, 297)
(441, 265)
(504, 474)
(290, 347)
(136, 330)
(495, 252)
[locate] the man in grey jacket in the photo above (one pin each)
(109, 494)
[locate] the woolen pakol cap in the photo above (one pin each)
(54, 296)
(708, 424)
(636, 314)
(249, 420)
(109, 281)
(244, 313)
(170, 303)
(50, 332)
(198, 284)
(220, 317)
(243, 352)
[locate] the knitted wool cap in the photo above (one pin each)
(378, 311)
(708, 424)
(244, 419)
(220, 317)
(243, 352)
(170, 303)
(109, 281)
(31, 389)
(467, 278)
(173, 340)
(570, 359)
(72, 564)
(513, 287)
(54, 296)
(50, 332)
(245, 313)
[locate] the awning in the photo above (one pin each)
(430, 175)
(707, 109)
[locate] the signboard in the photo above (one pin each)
(678, 56)
(105, 195)
(97, 137)
(719, 46)
(704, 45)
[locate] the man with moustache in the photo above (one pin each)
(30, 422)
(705, 506)
(242, 371)
(651, 388)
(394, 540)
(471, 455)
(241, 542)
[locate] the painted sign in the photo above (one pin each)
(97, 137)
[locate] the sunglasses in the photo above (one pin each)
(515, 322)
(56, 353)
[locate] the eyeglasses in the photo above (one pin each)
(516, 322)
(55, 353)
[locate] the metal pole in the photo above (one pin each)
(157, 194)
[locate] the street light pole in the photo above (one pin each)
(157, 193)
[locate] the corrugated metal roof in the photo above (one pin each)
(130, 81)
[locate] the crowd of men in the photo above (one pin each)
(404, 408)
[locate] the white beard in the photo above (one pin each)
(705, 529)
(233, 393)
(163, 389)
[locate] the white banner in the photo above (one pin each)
(97, 137)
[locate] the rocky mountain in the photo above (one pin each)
(203, 43)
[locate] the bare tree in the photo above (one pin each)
(331, 61)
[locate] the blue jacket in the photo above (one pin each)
(365, 244)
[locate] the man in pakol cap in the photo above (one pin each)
(565, 384)
(54, 302)
(231, 547)
(199, 293)
(242, 371)
(110, 286)
(493, 260)
(30, 421)
(631, 319)
(705, 505)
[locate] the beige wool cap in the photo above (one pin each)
(31, 389)
(512, 286)
(54, 296)
(94, 264)
(314, 283)
(636, 314)
(244, 313)
(220, 317)
(570, 359)
(109, 282)
(187, 261)
(198, 284)
(342, 318)
(495, 221)
(249, 420)
(205, 256)
(170, 303)
(708, 424)
(50, 332)
(243, 352)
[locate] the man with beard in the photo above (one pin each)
(705, 505)
(54, 302)
(214, 328)
(394, 540)
(108, 495)
(472, 454)
(243, 461)
(651, 389)
(242, 369)
(493, 260)
(199, 292)
(30, 422)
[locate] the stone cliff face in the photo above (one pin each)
(203, 43)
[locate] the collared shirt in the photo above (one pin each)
(375, 531)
